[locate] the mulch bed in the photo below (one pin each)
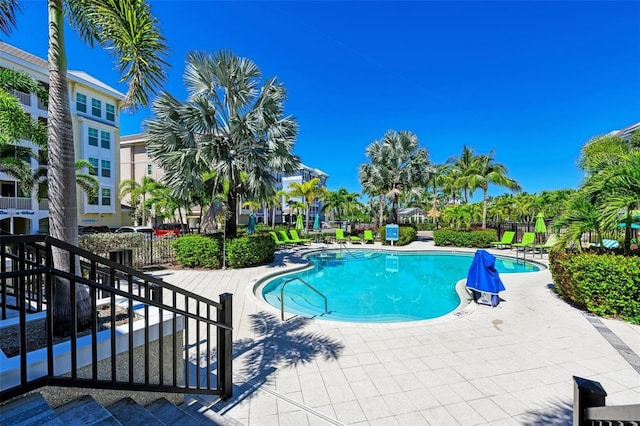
(37, 335)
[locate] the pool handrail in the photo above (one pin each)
(284, 284)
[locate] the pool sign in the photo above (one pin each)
(391, 233)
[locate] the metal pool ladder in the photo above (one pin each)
(326, 310)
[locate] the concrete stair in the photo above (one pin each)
(34, 410)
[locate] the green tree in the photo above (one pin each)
(229, 125)
(407, 165)
(464, 166)
(308, 191)
(485, 171)
(128, 30)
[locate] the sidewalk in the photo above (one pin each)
(508, 365)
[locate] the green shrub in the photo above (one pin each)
(250, 250)
(605, 284)
(138, 243)
(426, 226)
(406, 235)
(198, 251)
(479, 238)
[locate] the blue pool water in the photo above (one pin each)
(374, 286)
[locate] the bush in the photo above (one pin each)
(479, 238)
(406, 234)
(250, 250)
(604, 284)
(198, 251)
(426, 226)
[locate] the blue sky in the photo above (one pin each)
(532, 81)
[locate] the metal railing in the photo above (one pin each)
(166, 344)
(284, 284)
(19, 203)
(24, 98)
(589, 407)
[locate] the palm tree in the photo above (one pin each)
(333, 203)
(140, 193)
(407, 165)
(372, 178)
(308, 191)
(464, 169)
(486, 171)
(128, 30)
(229, 125)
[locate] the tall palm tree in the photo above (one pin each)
(407, 165)
(128, 30)
(464, 169)
(333, 203)
(372, 178)
(308, 191)
(140, 193)
(229, 125)
(486, 171)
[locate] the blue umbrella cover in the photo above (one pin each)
(251, 227)
(316, 223)
(483, 277)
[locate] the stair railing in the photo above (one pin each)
(188, 328)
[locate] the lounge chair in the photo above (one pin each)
(285, 237)
(368, 236)
(609, 244)
(278, 241)
(355, 239)
(507, 240)
(528, 238)
(551, 241)
(340, 236)
(296, 238)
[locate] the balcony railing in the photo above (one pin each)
(19, 203)
(24, 98)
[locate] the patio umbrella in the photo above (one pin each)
(299, 224)
(540, 225)
(251, 228)
(316, 223)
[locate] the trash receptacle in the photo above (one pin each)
(122, 256)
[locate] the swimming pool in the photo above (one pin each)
(377, 286)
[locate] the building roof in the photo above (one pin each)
(27, 58)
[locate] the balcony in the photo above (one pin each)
(19, 203)
(24, 98)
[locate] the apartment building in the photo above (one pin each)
(136, 164)
(96, 130)
(302, 175)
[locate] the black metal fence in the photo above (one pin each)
(147, 251)
(142, 334)
(590, 409)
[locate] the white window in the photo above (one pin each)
(106, 197)
(93, 136)
(96, 108)
(111, 112)
(94, 170)
(106, 168)
(105, 139)
(81, 102)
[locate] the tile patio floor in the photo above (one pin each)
(509, 365)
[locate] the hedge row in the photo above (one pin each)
(478, 238)
(406, 234)
(605, 284)
(205, 251)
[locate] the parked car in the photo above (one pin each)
(175, 229)
(93, 229)
(143, 229)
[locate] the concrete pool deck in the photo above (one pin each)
(509, 365)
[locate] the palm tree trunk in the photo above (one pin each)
(63, 214)
(381, 211)
(484, 208)
(265, 214)
(231, 228)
